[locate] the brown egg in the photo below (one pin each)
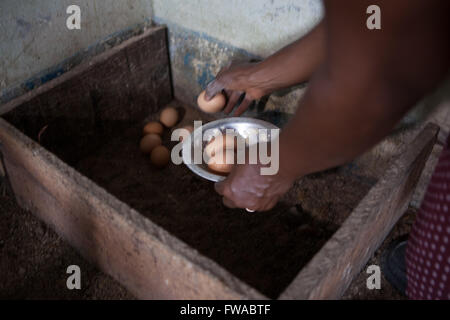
(188, 128)
(214, 105)
(220, 143)
(153, 127)
(222, 162)
(169, 117)
(149, 142)
(160, 156)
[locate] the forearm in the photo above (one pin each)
(368, 82)
(333, 125)
(291, 65)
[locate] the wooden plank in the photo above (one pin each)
(147, 260)
(140, 255)
(111, 77)
(333, 268)
(98, 98)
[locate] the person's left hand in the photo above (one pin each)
(245, 187)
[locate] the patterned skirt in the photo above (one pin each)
(428, 250)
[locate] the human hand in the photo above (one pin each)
(237, 79)
(245, 187)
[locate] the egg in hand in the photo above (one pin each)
(212, 106)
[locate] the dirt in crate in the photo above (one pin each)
(34, 261)
(266, 249)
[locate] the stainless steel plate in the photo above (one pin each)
(240, 125)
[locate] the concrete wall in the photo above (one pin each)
(205, 35)
(34, 36)
(258, 26)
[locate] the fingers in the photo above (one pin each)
(213, 88)
(233, 97)
(243, 106)
(243, 202)
(228, 203)
(220, 189)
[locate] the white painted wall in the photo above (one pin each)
(34, 36)
(259, 26)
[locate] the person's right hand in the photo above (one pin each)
(235, 80)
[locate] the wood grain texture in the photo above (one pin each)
(332, 269)
(149, 261)
(98, 98)
(140, 255)
(146, 259)
(137, 70)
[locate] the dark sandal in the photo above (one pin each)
(393, 264)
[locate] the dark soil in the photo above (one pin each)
(34, 261)
(266, 250)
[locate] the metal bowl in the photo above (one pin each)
(240, 125)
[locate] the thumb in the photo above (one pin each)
(213, 88)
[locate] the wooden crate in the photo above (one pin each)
(149, 261)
